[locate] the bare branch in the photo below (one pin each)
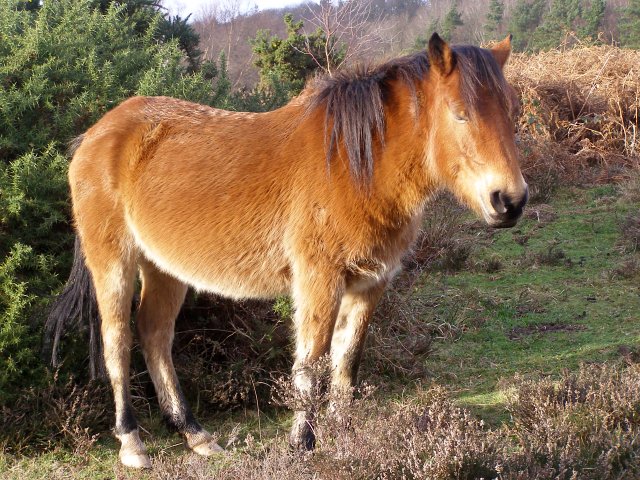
(351, 25)
(224, 26)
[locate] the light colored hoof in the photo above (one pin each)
(202, 443)
(132, 452)
(135, 460)
(207, 449)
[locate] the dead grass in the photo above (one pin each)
(441, 244)
(399, 340)
(580, 109)
(628, 269)
(584, 426)
(62, 415)
(630, 233)
(630, 187)
(226, 352)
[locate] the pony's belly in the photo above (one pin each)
(257, 282)
(247, 274)
(255, 287)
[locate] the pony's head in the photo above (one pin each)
(471, 137)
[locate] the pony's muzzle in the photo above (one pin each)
(507, 208)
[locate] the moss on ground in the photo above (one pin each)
(556, 301)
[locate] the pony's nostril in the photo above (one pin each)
(497, 201)
(524, 199)
(508, 208)
(507, 202)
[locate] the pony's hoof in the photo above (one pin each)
(302, 436)
(202, 443)
(206, 449)
(132, 452)
(305, 444)
(135, 460)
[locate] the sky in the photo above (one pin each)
(185, 7)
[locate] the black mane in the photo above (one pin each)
(354, 99)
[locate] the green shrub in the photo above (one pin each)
(292, 60)
(35, 239)
(65, 66)
(16, 339)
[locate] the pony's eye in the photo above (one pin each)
(461, 117)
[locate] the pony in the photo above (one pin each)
(318, 200)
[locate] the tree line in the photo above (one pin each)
(535, 24)
(392, 27)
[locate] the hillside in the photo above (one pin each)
(394, 26)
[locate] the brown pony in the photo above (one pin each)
(319, 199)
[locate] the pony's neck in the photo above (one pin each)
(402, 179)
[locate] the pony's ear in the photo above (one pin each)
(440, 55)
(502, 50)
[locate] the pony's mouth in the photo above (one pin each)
(503, 223)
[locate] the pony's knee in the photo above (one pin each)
(303, 378)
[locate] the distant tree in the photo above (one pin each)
(397, 7)
(495, 16)
(421, 41)
(593, 17)
(556, 23)
(30, 5)
(130, 6)
(525, 18)
(434, 26)
(407, 7)
(293, 59)
(188, 40)
(140, 12)
(145, 13)
(630, 25)
(451, 21)
(536, 27)
(346, 29)
(577, 17)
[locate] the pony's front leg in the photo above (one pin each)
(356, 311)
(317, 295)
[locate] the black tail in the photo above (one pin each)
(76, 307)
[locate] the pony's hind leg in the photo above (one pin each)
(161, 299)
(113, 270)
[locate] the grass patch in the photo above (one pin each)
(560, 277)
